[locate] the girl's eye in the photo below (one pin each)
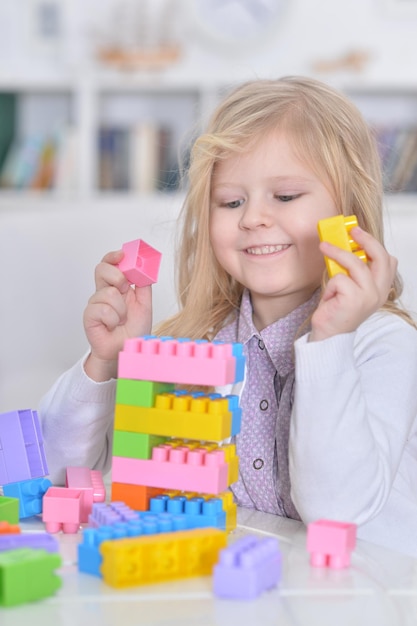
(287, 198)
(233, 204)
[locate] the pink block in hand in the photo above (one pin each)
(330, 543)
(90, 482)
(140, 263)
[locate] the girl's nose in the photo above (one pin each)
(255, 215)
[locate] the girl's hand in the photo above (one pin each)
(114, 312)
(348, 300)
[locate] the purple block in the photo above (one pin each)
(22, 455)
(247, 568)
(108, 514)
(38, 541)
(33, 439)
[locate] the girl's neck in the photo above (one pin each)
(270, 309)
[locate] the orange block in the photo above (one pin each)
(135, 496)
(9, 529)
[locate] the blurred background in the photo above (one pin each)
(99, 102)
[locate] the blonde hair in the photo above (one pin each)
(327, 132)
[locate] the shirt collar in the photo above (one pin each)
(278, 337)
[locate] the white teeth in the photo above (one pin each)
(266, 249)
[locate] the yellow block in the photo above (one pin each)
(166, 556)
(201, 418)
(336, 230)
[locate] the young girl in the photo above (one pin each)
(329, 402)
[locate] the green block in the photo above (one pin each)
(140, 392)
(27, 575)
(135, 445)
(9, 510)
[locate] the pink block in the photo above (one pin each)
(62, 509)
(140, 263)
(175, 468)
(177, 361)
(330, 543)
(91, 484)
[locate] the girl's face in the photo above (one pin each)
(264, 209)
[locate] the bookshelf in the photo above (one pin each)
(392, 112)
(94, 129)
(96, 134)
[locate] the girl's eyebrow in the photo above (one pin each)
(290, 179)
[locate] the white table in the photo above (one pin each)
(379, 589)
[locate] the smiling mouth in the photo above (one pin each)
(260, 250)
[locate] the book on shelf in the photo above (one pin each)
(398, 151)
(22, 161)
(67, 160)
(42, 162)
(8, 106)
(136, 158)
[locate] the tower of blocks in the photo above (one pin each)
(336, 230)
(169, 441)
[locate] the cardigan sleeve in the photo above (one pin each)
(76, 416)
(354, 410)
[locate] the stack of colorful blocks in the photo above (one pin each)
(166, 439)
(170, 461)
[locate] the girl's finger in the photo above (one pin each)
(110, 297)
(107, 274)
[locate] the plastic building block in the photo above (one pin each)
(30, 495)
(62, 508)
(336, 230)
(89, 557)
(135, 496)
(167, 556)
(181, 415)
(330, 543)
(27, 575)
(197, 511)
(107, 514)
(22, 455)
(139, 392)
(228, 505)
(9, 510)
(140, 263)
(230, 508)
(247, 568)
(180, 361)
(90, 482)
(135, 445)
(6, 528)
(190, 469)
(37, 541)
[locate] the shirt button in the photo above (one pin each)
(261, 344)
(258, 464)
(263, 405)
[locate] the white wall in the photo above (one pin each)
(47, 259)
(309, 31)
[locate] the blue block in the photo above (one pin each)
(30, 495)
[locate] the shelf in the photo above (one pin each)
(97, 101)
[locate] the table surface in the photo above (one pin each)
(379, 588)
